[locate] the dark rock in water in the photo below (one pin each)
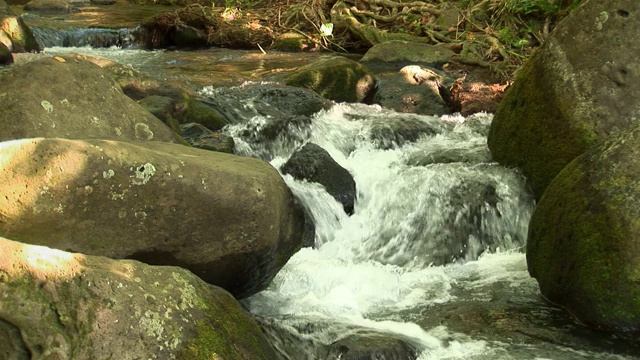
(372, 346)
(201, 137)
(394, 131)
(576, 90)
(94, 37)
(6, 58)
(414, 90)
(313, 163)
(336, 78)
(50, 7)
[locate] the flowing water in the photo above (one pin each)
(433, 255)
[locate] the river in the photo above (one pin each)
(433, 255)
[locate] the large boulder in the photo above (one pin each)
(230, 220)
(71, 98)
(14, 33)
(315, 164)
(582, 85)
(59, 305)
(584, 236)
(335, 78)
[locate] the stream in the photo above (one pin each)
(432, 256)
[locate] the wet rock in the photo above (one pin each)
(309, 235)
(6, 58)
(73, 99)
(14, 33)
(205, 113)
(406, 53)
(394, 131)
(583, 235)
(50, 7)
(60, 305)
(313, 163)
(578, 88)
(200, 137)
(335, 78)
(230, 220)
(372, 346)
(103, 2)
(238, 104)
(414, 90)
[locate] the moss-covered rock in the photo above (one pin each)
(335, 78)
(205, 114)
(164, 108)
(59, 305)
(230, 220)
(584, 235)
(582, 85)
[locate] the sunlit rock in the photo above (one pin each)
(414, 89)
(71, 99)
(14, 33)
(584, 235)
(581, 86)
(50, 7)
(59, 305)
(230, 220)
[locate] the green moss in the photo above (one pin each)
(583, 236)
(335, 78)
(204, 114)
(532, 130)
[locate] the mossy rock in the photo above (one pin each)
(202, 113)
(584, 236)
(163, 108)
(581, 86)
(292, 42)
(61, 305)
(335, 78)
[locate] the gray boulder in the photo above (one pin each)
(313, 163)
(59, 305)
(369, 345)
(230, 220)
(71, 98)
(584, 234)
(581, 86)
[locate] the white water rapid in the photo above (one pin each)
(425, 235)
